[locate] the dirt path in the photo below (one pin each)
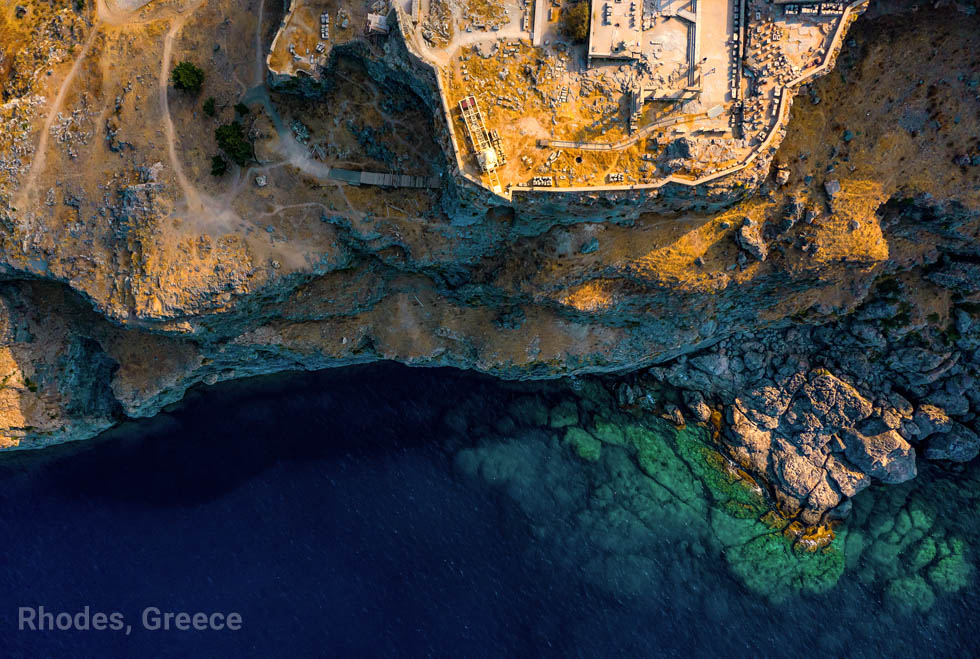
(40, 154)
(202, 212)
(191, 195)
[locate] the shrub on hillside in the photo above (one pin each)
(187, 77)
(232, 140)
(218, 166)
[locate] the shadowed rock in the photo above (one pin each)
(960, 444)
(887, 456)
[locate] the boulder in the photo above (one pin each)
(960, 444)
(696, 404)
(673, 414)
(755, 361)
(931, 419)
(750, 444)
(849, 480)
(874, 425)
(953, 404)
(749, 238)
(782, 176)
(887, 456)
(797, 474)
(823, 497)
(917, 360)
(793, 214)
(712, 363)
(829, 402)
(626, 395)
(892, 419)
(768, 399)
(900, 405)
(910, 430)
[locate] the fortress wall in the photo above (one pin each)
(466, 198)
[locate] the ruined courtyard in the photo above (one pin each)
(653, 92)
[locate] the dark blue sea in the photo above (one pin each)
(330, 512)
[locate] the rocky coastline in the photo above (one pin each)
(823, 331)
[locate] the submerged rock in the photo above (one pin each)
(960, 444)
(910, 594)
(585, 445)
(627, 487)
(564, 414)
(608, 496)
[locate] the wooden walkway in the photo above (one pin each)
(354, 177)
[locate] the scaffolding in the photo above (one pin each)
(477, 130)
(489, 152)
(497, 147)
(495, 183)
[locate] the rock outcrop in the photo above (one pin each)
(820, 413)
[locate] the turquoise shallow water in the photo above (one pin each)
(386, 511)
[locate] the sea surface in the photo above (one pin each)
(331, 512)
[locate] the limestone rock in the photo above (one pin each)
(849, 480)
(831, 402)
(749, 238)
(750, 444)
(887, 456)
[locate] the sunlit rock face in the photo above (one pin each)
(820, 319)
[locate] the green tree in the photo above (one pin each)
(575, 21)
(187, 77)
(209, 107)
(218, 166)
(231, 139)
(241, 109)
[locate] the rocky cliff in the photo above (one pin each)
(826, 326)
